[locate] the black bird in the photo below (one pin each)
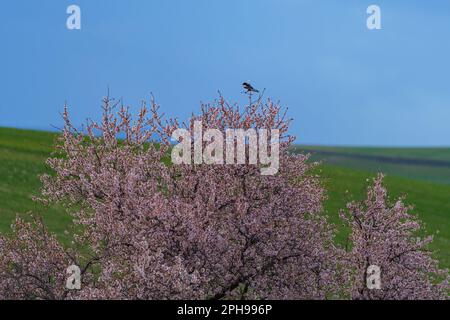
(247, 86)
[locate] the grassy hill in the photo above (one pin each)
(438, 154)
(22, 160)
(431, 201)
(425, 164)
(421, 174)
(23, 152)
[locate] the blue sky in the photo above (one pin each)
(343, 84)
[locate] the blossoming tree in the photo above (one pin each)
(147, 229)
(387, 236)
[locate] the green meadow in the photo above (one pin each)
(424, 164)
(22, 161)
(420, 174)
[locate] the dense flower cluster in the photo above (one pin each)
(147, 229)
(32, 263)
(387, 236)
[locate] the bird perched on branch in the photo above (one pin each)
(248, 87)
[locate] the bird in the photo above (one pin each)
(247, 86)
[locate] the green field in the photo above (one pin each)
(431, 201)
(424, 164)
(408, 153)
(420, 174)
(22, 160)
(23, 152)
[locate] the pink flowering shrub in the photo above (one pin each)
(32, 263)
(387, 235)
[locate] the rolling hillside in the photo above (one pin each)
(22, 157)
(23, 152)
(425, 164)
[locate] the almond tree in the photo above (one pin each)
(388, 236)
(145, 228)
(148, 229)
(32, 263)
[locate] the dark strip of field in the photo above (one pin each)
(386, 159)
(424, 164)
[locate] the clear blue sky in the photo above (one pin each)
(343, 83)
